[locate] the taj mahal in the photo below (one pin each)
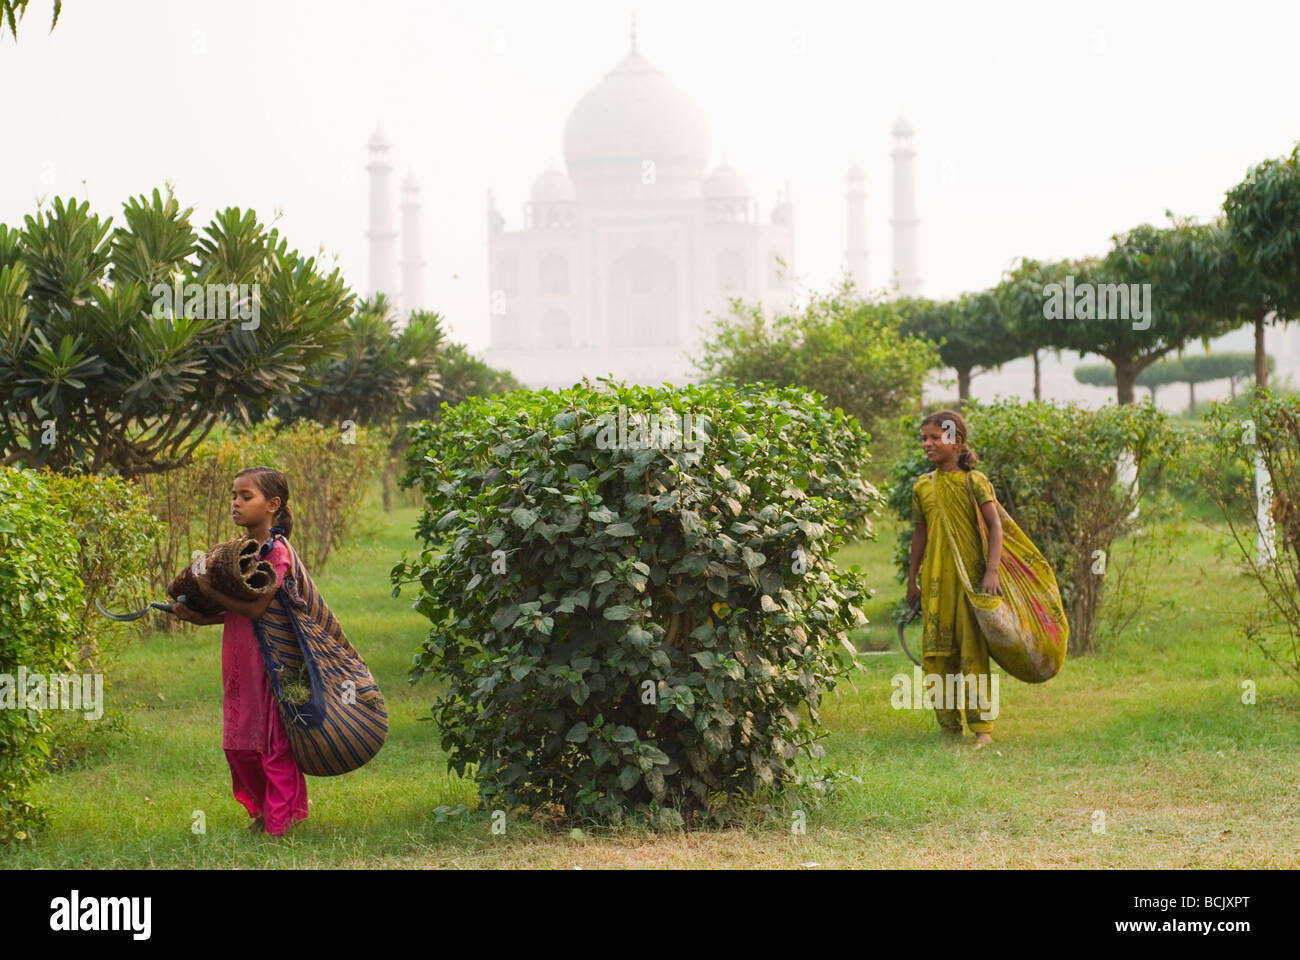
(621, 254)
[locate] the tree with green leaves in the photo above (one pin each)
(1208, 367)
(378, 373)
(121, 347)
(12, 11)
(1152, 378)
(376, 380)
(1263, 225)
(969, 332)
(1191, 370)
(1019, 298)
(1225, 366)
(1120, 316)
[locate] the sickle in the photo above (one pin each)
(137, 614)
(912, 615)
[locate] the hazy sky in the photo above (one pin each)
(1041, 128)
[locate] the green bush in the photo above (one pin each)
(110, 520)
(634, 631)
(1266, 426)
(853, 351)
(1053, 467)
(40, 608)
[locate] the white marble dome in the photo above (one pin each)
(633, 115)
(552, 186)
(726, 182)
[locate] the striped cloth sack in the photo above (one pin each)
(331, 706)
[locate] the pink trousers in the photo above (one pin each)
(270, 785)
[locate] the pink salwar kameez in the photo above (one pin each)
(264, 774)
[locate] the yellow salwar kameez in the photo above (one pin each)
(952, 642)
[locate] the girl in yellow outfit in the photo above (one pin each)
(952, 642)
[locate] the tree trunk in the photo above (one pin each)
(388, 485)
(1038, 379)
(963, 384)
(1126, 375)
(1191, 397)
(1261, 358)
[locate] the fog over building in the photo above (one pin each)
(621, 254)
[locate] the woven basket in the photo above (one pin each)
(233, 569)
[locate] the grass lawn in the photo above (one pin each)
(1148, 736)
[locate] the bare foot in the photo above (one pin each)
(257, 826)
(983, 740)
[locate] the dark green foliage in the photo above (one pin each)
(1262, 216)
(380, 373)
(40, 614)
(101, 369)
(656, 617)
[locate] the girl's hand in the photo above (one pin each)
(913, 594)
(183, 612)
(991, 584)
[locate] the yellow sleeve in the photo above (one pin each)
(918, 513)
(983, 488)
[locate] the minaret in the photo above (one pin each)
(855, 239)
(413, 262)
(907, 268)
(382, 235)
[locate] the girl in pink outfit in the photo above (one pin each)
(265, 775)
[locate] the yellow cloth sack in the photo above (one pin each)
(1026, 628)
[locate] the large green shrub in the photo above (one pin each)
(1053, 467)
(40, 608)
(635, 630)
